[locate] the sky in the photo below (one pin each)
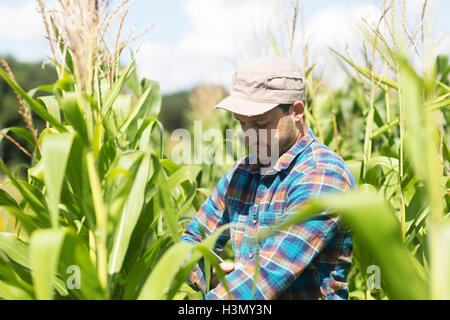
(203, 41)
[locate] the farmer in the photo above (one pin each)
(308, 260)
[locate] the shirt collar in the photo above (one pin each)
(286, 158)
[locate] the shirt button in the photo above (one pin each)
(250, 255)
(255, 221)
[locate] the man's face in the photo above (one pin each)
(270, 134)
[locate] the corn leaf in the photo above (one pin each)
(45, 246)
(11, 292)
(377, 230)
(368, 74)
(52, 105)
(115, 91)
(28, 221)
(75, 257)
(129, 217)
(158, 283)
(15, 249)
(6, 200)
(55, 153)
(72, 113)
(36, 106)
(135, 112)
(34, 202)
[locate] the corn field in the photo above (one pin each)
(103, 198)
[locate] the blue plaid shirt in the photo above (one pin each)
(309, 260)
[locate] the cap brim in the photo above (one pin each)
(245, 107)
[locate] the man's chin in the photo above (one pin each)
(263, 161)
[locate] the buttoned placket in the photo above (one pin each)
(253, 226)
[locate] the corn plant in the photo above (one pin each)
(398, 150)
(101, 209)
(390, 123)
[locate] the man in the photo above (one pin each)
(309, 260)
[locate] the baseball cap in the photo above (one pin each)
(262, 84)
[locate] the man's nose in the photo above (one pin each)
(247, 140)
(251, 137)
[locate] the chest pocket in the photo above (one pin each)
(270, 218)
(267, 221)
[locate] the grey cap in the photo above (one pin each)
(262, 84)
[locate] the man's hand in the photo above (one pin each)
(226, 267)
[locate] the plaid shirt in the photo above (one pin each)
(309, 260)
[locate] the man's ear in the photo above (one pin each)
(299, 110)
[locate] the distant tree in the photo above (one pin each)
(174, 111)
(29, 76)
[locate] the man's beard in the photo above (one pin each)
(268, 154)
(265, 154)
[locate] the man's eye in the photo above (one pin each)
(262, 125)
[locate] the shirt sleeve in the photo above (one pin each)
(284, 255)
(211, 216)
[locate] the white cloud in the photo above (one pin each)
(177, 69)
(337, 27)
(219, 35)
(225, 32)
(22, 31)
(20, 22)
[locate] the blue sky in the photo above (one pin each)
(198, 41)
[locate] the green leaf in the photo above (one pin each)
(142, 232)
(73, 114)
(387, 162)
(158, 283)
(187, 173)
(368, 74)
(273, 44)
(119, 182)
(11, 292)
(142, 138)
(120, 110)
(52, 105)
(133, 82)
(203, 249)
(23, 133)
(36, 106)
(129, 217)
(19, 252)
(6, 200)
(15, 249)
(167, 204)
(310, 69)
(189, 198)
(149, 109)
(422, 148)
(385, 128)
(45, 246)
(26, 192)
(136, 110)
(78, 178)
(170, 166)
(377, 230)
(28, 221)
(114, 93)
(75, 257)
(55, 153)
(140, 270)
